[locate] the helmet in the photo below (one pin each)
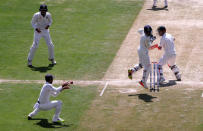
(43, 7)
(161, 28)
(148, 30)
(49, 77)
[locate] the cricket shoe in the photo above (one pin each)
(130, 74)
(154, 7)
(29, 117)
(143, 84)
(161, 80)
(59, 120)
(53, 62)
(29, 63)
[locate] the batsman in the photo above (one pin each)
(146, 41)
(169, 57)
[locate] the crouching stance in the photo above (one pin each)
(144, 61)
(169, 57)
(44, 103)
(41, 22)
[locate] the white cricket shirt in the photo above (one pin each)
(48, 90)
(167, 42)
(38, 21)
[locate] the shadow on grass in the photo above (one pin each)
(169, 83)
(45, 124)
(144, 97)
(43, 68)
(158, 9)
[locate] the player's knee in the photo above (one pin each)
(35, 45)
(59, 103)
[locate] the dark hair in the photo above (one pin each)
(43, 7)
(161, 28)
(49, 77)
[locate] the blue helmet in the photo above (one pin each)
(43, 7)
(148, 30)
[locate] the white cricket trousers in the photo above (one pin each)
(144, 61)
(57, 104)
(37, 36)
(155, 2)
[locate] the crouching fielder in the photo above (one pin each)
(44, 103)
(169, 57)
(144, 61)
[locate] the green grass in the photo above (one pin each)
(172, 109)
(17, 101)
(86, 35)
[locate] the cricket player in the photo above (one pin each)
(41, 22)
(144, 60)
(169, 57)
(155, 2)
(44, 103)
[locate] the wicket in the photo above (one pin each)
(154, 85)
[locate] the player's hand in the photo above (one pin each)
(67, 83)
(159, 48)
(47, 27)
(66, 87)
(38, 30)
(153, 47)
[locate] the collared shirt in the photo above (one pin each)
(167, 42)
(38, 21)
(48, 90)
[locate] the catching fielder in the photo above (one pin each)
(155, 2)
(44, 103)
(41, 22)
(144, 60)
(169, 57)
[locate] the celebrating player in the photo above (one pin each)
(155, 2)
(144, 61)
(169, 57)
(41, 22)
(44, 103)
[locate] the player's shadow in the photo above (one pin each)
(45, 124)
(145, 97)
(42, 68)
(158, 9)
(169, 83)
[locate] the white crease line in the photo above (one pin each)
(202, 94)
(104, 89)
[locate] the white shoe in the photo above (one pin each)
(53, 62)
(161, 80)
(59, 120)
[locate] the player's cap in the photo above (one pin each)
(161, 28)
(43, 7)
(49, 77)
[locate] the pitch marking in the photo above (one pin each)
(104, 89)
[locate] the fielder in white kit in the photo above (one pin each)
(155, 3)
(41, 22)
(44, 103)
(169, 57)
(144, 60)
